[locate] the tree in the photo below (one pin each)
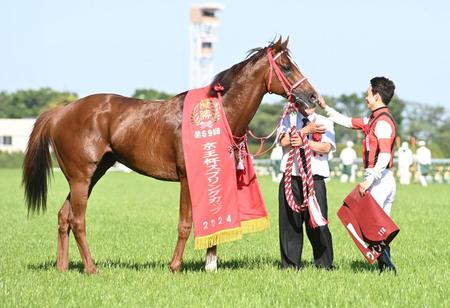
(429, 123)
(354, 106)
(443, 137)
(30, 103)
(424, 121)
(397, 108)
(151, 94)
(266, 119)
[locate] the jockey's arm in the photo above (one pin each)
(382, 162)
(339, 118)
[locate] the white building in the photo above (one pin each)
(203, 34)
(14, 134)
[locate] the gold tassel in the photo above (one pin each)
(220, 237)
(255, 225)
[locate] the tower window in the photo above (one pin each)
(208, 13)
(207, 45)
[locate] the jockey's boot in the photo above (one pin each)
(385, 261)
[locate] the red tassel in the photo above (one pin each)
(218, 87)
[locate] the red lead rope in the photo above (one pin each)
(309, 198)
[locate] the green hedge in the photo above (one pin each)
(11, 160)
(15, 160)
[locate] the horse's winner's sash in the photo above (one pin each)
(225, 202)
(368, 225)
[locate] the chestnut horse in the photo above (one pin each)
(89, 135)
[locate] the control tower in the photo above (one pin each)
(203, 35)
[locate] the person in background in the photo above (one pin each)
(378, 148)
(405, 160)
(439, 174)
(447, 175)
(423, 157)
(348, 159)
(275, 161)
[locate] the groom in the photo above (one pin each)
(321, 137)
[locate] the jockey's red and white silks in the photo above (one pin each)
(379, 136)
(225, 202)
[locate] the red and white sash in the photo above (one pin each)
(226, 202)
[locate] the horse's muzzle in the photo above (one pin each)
(306, 102)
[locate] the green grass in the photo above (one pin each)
(132, 230)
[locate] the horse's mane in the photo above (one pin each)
(253, 55)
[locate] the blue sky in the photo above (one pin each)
(118, 46)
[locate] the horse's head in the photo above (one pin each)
(289, 81)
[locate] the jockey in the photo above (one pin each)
(378, 148)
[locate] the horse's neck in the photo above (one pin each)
(242, 100)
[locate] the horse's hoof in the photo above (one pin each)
(211, 264)
(176, 267)
(62, 268)
(90, 270)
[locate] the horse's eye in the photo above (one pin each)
(286, 68)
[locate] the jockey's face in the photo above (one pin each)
(373, 101)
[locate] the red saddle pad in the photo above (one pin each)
(368, 225)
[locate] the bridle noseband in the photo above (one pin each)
(285, 83)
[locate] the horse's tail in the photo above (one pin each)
(37, 164)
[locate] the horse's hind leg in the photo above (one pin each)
(184, 226)
(62, 261)
(79, 190)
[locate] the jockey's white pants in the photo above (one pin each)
(383, 190)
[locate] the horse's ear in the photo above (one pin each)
(278, 43)
(285, 43)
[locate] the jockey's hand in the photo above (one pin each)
(313, 128)
(364, 186)
(295, 140)
(322, 102)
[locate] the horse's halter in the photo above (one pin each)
(273, 67)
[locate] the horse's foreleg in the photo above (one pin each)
(77, 219)
(184, 226)
(211, 259)
(62, 258)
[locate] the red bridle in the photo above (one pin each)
(238, 142)
(285, 83)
